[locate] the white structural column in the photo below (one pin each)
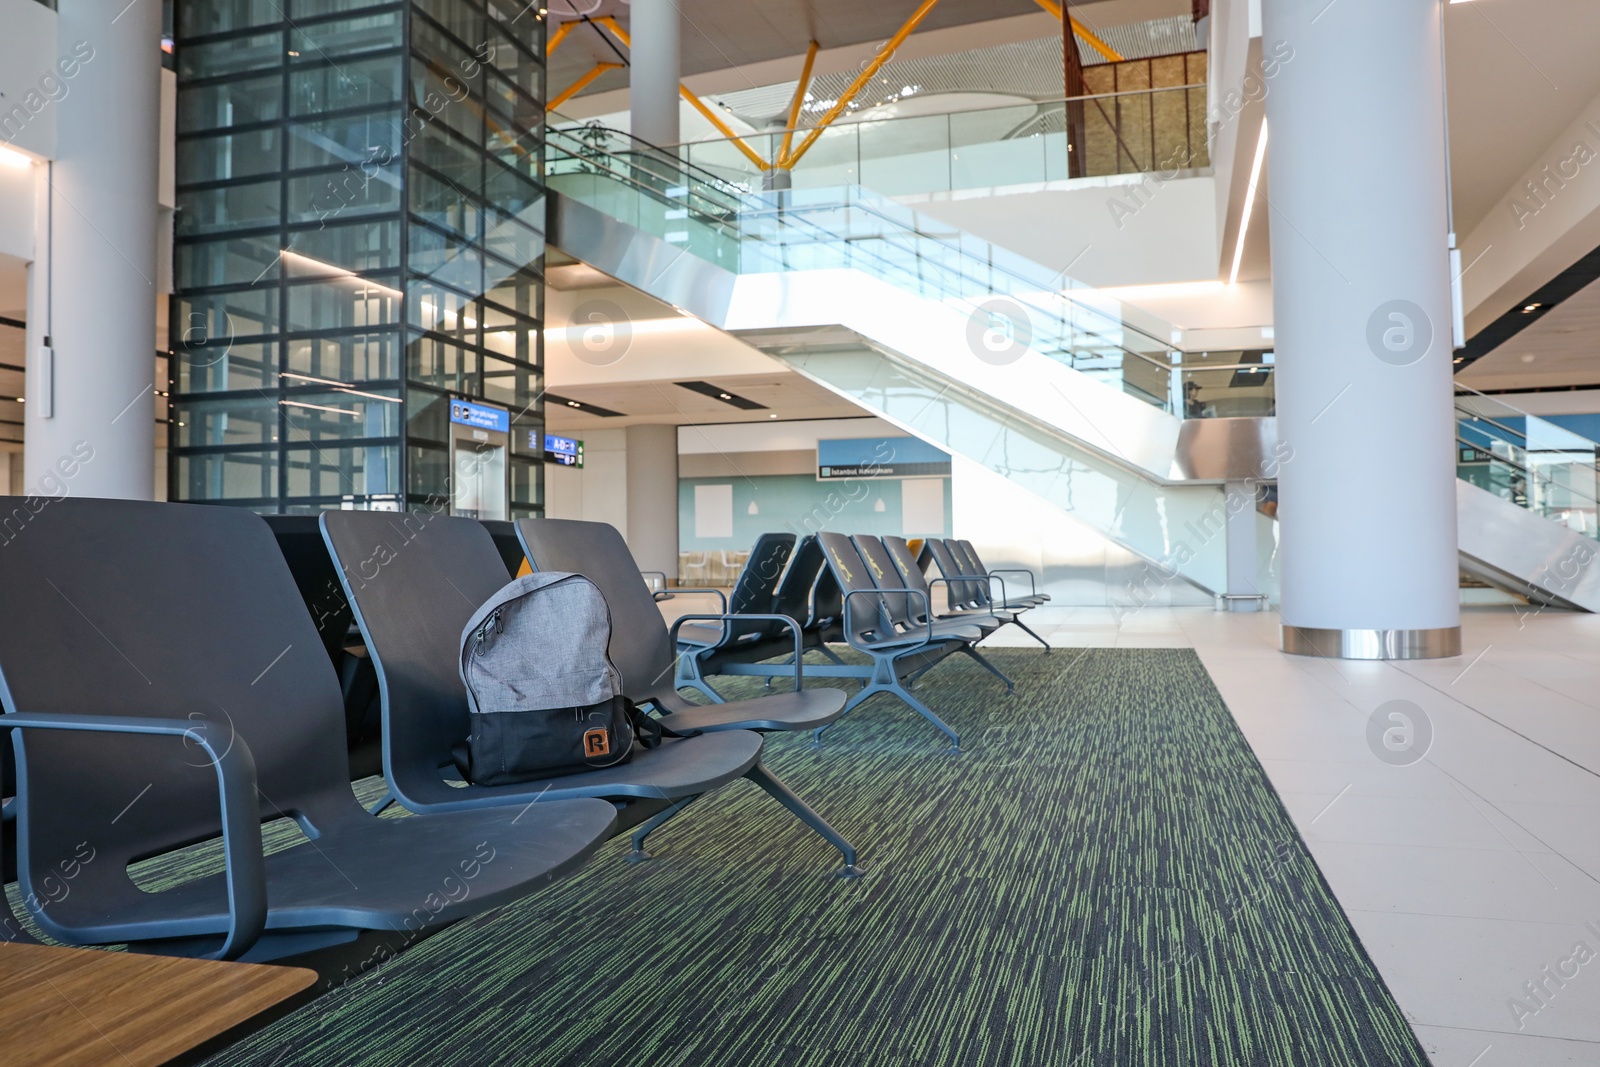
(1361, 282)
(652, 492)
(653, 73)
(90, 418)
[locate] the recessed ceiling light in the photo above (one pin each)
(772, 416)
(1528, 357)
(1529, 309)
(573, 404)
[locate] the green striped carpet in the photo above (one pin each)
(1104, 878)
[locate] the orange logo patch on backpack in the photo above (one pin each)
(597, 743)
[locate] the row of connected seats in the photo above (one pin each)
(171, 688)
(871, 594)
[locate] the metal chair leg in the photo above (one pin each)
(651, 825)
(927, 713)
(1027, 630)
(885, 681)
(1011, 687)
(782, 794)
(867, 690)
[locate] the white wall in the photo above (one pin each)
(598, 492)
(1011, 527)
(797, 436)
(28, 76)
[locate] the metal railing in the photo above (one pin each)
(1534, 462)
(1142, 131)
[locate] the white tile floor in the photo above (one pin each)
(1467, 873)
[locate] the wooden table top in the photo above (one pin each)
(72, 1006)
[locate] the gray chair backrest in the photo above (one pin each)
(886, 576)
(130, 608)
(755, 592)
(415, 579)
(794, 597)
(300, 540)
(963, 593)
(640, 645)
(905, 562)
(504, 532)
(867, 619)
(967, 556)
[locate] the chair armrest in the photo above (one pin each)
(246, 870)
(794, 628)
(950, 596)
(722, 597)
(987, 579)
(1032, 589)
(655, 574)
(927, 613)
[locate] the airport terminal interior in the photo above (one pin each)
(709, 533)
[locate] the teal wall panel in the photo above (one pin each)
(800, 504)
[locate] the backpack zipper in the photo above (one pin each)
(492, 622)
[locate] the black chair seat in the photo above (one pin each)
(679, 768)
(387, 874)
(167, 656)
(808, 709)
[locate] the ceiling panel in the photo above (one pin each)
(786, 395)
(1561, 349)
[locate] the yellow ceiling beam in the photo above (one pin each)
(797, 103)
(862, 79)
(558, 36)
(578, 86)
(1088, 37)
(610, 23)
(723, 128)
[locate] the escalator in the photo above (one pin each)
(1526, 499)
(1065, 392)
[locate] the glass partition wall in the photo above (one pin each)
(359, 255)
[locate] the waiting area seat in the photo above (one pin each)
(969, 585)
(868, 627)
(415, 580)
(170, 688)
(643, 648)
(300, 540)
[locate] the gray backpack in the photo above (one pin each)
(545, 698)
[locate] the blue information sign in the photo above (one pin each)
(564, 450)
(480, 416)
(880, 457)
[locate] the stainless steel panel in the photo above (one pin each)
(1372, 644)
(633, 257)
(1215, 450)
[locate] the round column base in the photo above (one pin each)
(1372, 644)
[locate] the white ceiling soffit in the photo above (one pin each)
(1561, 349)
(1519, 72)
